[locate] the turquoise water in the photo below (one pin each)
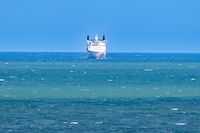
(123, 93)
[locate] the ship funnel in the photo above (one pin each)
(88, 37)
(104, 38)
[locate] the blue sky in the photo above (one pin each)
(129, 25)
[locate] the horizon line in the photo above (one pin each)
(126, 52)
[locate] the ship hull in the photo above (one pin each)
(96, 55)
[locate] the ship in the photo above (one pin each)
(96, 48)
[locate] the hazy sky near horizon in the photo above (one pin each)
(129, 25)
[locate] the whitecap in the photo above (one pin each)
(84, 72)
(98, 122)
(2, 80)
(73, 65)
(109, 80)
(192, 79)
(179, 90)
(11, 77)
(65, 122)
(71, 71)
(148, 70)
(33, 70)
(180, 124)
(6, 63)
(174, 109)
(74, 123)
(191, 66)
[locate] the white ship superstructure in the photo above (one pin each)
(96, 47)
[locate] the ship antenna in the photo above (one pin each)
(88, 37)
(104, 38)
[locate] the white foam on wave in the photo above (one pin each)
(26, 66)
(180, 124)
(74, 123)
(148, 70)
(2, 80)
(192, 79)
(109, 80)
(98, 122)
(40, 128)
(6, 63)
(191, 66)
(69, 83)
(174, 109)
(12, 77)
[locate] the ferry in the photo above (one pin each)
(96, 48)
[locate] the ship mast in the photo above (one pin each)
(96, 37)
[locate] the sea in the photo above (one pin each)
(123, 93)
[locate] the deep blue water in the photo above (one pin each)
(126, 92)
(111, 57)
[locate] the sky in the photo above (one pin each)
(129, 25)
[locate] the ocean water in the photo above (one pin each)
(126, 92)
